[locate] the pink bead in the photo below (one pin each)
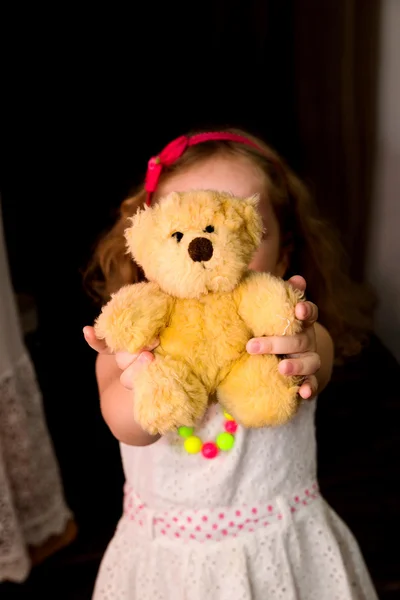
(209, 450)
(231, 426)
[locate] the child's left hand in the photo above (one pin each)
(300, 350)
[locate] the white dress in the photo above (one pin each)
(249, 524)
(32, 506)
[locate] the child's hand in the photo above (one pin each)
(128, 363)
(300, 350)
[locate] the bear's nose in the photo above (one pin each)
(200, 249)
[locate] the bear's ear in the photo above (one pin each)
(139, 233)
(253, 201)
(170, 199)
(252, 218)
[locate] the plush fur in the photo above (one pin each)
(204, 305)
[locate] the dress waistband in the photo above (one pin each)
(213, 524)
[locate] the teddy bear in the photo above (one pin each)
(203, 304)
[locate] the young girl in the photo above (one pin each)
(249, 523)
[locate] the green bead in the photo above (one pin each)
(193, 444)
(185, 432)
(225, 441)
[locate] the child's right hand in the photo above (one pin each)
(128, 363)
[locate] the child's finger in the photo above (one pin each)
(291, 344)
(98, 345)
(307, 363)
(309, 388)
(125, 359)
(127, 378)
(306, 312)
(298, 282)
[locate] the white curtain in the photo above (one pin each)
(32, 505)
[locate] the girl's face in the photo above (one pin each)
(239, 176)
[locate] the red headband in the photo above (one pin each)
(176, 148)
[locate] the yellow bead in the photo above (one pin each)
(193, 444)
(228, 417)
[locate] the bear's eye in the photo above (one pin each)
(178, 235)
(209, 229)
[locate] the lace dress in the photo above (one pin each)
(32, 505)
(249, 524)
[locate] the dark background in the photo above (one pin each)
(88, 97)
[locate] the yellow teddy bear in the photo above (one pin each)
(203, 304)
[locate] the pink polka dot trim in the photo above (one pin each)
(211, 524)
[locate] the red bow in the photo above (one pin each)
(167, 157)
(177, 147)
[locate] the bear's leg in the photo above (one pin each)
(168, 395)
(256, 394)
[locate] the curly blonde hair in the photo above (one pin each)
(314, 250)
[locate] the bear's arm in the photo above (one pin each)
(133, 317)
(266, 304)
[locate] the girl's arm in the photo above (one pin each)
(114, 374)
(325, 349)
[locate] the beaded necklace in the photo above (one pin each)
(224, 440)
